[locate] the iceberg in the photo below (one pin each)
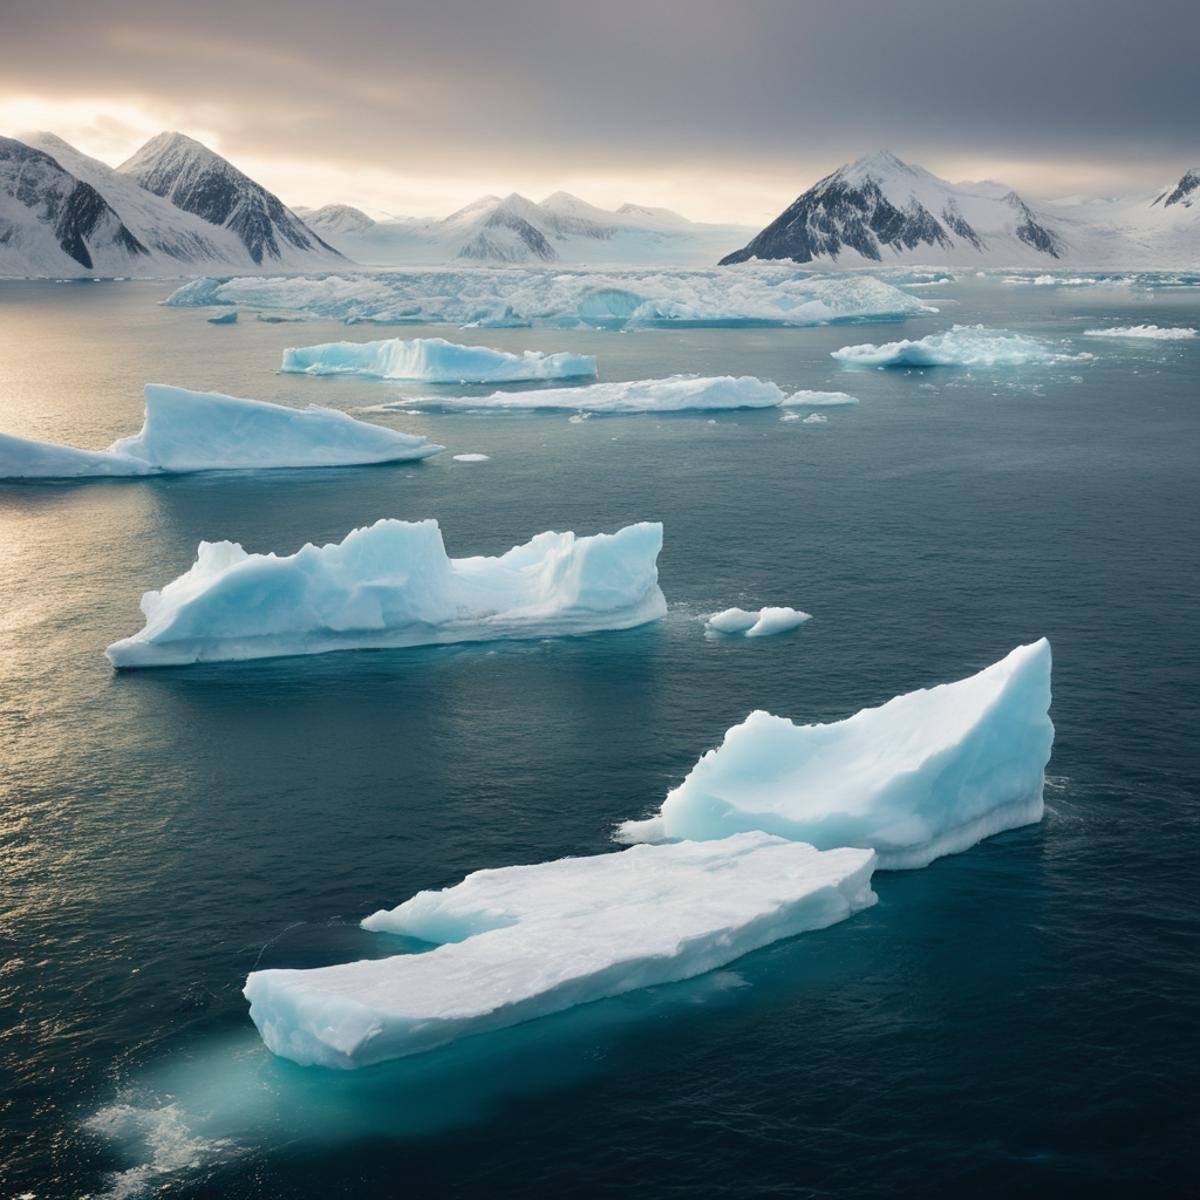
(205, 431)
(392, 584)
(522, 942)
(225, 318)
(508, 297)
(470, 458)
(805, 399)
(1157, 333)
(676, 393)
(959, 346)
(926, 774)
(756, 624)
(433, 360)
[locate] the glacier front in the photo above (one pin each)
(205, 431)
(392, 584)
(522, 942)
(433, 360)
(514, 297)
(959, 346)
(928, 773)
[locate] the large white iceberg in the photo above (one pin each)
(392, 584)
(205, 431)
(755, 294)
(926, 774)
(676, 393)
(433, 360)
(959, 346)
(521, 942)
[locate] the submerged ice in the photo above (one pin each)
(205, 431)
(928, 773)
(522, 942)
(433, 360)
(959, 346)
(750, 294)
(392, 584)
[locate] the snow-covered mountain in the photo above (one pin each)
(197, 180)
(879, 209)
(882, 210)
(63, 213)
(52, 223)
(515, 229)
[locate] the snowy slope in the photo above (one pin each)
(198, 181)
(879, 209)
(167, 232)
(512, 229)
(52, 223)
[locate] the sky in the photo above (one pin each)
(722, 110)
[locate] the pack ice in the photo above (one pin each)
(959, 346)
(392, 584)
(676, 393)
(433, 360)
(205, 431)
(521, 942)
(754, 294)
(926, 774)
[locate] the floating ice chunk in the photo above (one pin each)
(225, 318)
(522, 942)
(815, 419)
(760, 294)
(819, 400)
(1156, 333)
(926, 774)
(392, 584)
(676, 393)
(205, 431)
(433, 360)
(756, 624)
(472, 458)
(960, 346)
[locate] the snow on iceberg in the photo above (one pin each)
(433, 360)
(676, 393)
(1158, 333)
(392, 584)
(522, 942)
(205, 431)
(926, 774)
(756, 624)
(510, 297)
(960, 346)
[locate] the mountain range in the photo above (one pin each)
(174, 208)
(178, 208)
(511, 229)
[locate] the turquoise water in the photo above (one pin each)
(1021, 1018)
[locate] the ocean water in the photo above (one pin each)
(1018, 1019)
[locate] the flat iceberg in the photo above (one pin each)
(756, 624)
(959, 346)
(392, 584)
(205, 431)
(805, 399)
(433, 360)
(1157, 333)
(469, 458)
(756, 294)
(926, 774)
(225, 318)
(522, 942)
(676, 393)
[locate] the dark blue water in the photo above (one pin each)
(1018, 1019)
